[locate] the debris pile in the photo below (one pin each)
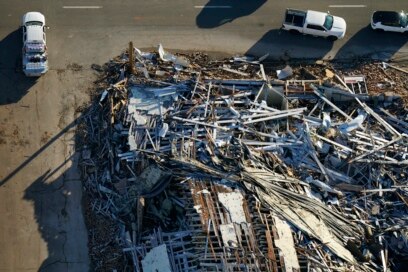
(203, 165)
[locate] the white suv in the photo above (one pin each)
(35, 59)
(390, 21)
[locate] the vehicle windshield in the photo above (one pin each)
(34, 23)
(35, 57)
(328, 23)
(403, 19)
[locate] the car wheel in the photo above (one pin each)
(332, 38)
(294, 31)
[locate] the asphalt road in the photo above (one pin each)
(94, 30)
(42, 225)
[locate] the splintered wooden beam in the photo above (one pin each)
(269, 240)
(131, 59)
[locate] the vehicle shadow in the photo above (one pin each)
(381, 45)
(282, 44)
(218, 12)
(13, 83)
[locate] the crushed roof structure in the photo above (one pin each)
(200, 165)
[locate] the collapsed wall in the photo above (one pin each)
(198, 165)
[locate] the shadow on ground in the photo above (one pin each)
(282, 44)
(13, 83)
(383, 45)
(44, 195)
(57, 202)
(57, 210)
(38, 152)
(219, 12)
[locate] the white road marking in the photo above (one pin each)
(203, 7)
(82, 7)
(347, 6)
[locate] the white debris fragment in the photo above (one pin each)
(285, 72)
(353, 124)
(198, 208)
(284, 242)
(103, 96)
(322, 185)
(157, 260)
(163, 130)
(178, 61)
(233, 203)
(326, 121)
(229, 236)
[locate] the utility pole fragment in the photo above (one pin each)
(131, 59)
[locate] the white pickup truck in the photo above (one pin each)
(35, 59)
(314, 23)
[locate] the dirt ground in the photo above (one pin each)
(40, 191)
